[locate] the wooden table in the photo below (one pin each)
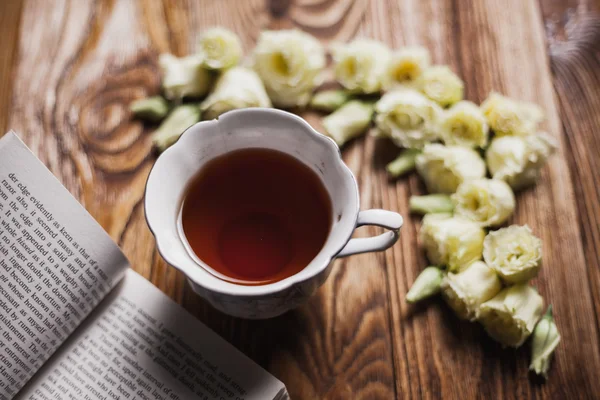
(69, 69)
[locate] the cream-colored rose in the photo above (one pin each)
(441, 85)
(290, 63)
(219, 48)
(464, 125)
(488, 202)
(511, 315)
(408, 118)
(452, 241)
(511, 117)
(237, 87)
(351, 120)
(360, 65)
(515, 253)
(184, 77)
(467, 290)
(519, 160)
(444, 168)
(405, 67)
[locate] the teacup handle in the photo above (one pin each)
(386, 219)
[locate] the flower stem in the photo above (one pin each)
(404, 163)
(426, 285)
(181, 118)
(329, 100)
(153, 108)
(431, 203)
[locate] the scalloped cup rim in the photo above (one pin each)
(213, 283)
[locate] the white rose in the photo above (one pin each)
(360, 66)
(515, 253)
(237, 87)
(464, 125)
(184, 76)
(452, 241)
(405, 67)
(441, 85)
(519, 160)
(219, 48)
(443, 168)
(488, 202)
(467, 290)
(408, 118)
(290, 63)
(511, 117)
(511, 315)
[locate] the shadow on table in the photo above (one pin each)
(471, 344)
(258, 339)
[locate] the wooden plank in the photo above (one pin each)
(492, 40)
(75, 79)
(356, 338)
(338, 345)
(573, 30)
(89, 75)
(502, 47)
(10, 16)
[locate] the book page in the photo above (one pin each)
(139, 344)
(56, 264)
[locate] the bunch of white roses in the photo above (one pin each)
(483, 275)
(284, 69)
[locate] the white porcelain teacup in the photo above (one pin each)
(271, 129)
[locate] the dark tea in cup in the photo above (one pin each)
(256, 216)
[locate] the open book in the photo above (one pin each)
(77, 323)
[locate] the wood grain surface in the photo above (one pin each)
(69, 69)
